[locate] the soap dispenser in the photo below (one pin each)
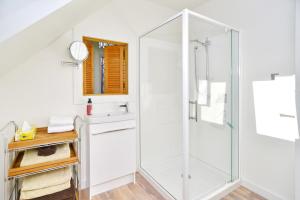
(89, 107)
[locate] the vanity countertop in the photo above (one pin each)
(109, 117)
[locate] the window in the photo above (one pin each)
(106, 69)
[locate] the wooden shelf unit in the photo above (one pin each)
(16, 170)
(14, 152)
(43, 138)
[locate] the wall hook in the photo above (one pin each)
(273, 76)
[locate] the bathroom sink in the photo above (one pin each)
(110, 117)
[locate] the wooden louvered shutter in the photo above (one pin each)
(88, 71)
(125, 70)
(113, 70)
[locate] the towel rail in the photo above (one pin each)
(78, 167)
(12, 191)
(8, 124)
(195, 117)
(6, 159)
(78, 117)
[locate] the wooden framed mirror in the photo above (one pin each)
(105, 71)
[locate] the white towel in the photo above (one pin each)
(60, 128)
(203, 92)
(31, 156)
(31, 194)
(26, 126)
(47, 179)
(275, 108)
(214, 113)
(61, 120)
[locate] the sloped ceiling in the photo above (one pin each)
(16, 15)
(179, 4)
(24, 44)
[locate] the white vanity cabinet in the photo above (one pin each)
(112, 153)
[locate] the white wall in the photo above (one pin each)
(122, 22)
(297, 57)
(41, 86)
(267, 40)
(297, 64)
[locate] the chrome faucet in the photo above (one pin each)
(125, 106)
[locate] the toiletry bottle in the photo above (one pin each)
(89, 107)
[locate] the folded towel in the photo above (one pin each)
(31, 156)
(47, 179)
(61, 120)
(214, 113)
(30, 194)
(203, 92)
(61, 128)
(47, 151)
(68, 194)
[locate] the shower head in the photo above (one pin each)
(205, 43)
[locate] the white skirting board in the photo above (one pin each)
(260, 190)
(110, 185)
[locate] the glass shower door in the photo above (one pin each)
(212, 126)
(161, 106)
(189, 106)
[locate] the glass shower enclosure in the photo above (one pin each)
(188, 119)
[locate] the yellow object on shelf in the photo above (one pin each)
(26, 135)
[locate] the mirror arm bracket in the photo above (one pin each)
(70, 63)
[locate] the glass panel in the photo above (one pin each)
(235, 105)
(161, 106)
(211, 96)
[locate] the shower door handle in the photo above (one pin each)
(195, 116)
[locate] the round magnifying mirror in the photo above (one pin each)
(79, 51)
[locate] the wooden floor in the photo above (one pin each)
(142, 190)
(243, 193)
